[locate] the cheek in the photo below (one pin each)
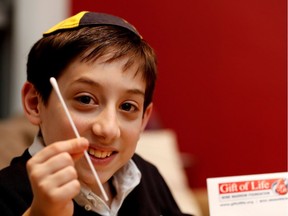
(83, 124)
(130, 137)
(56, 129)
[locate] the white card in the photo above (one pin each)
(249, 195)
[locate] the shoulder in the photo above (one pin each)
(17, 166)
(15, 186)
(151, 195)
(150, 173)
(15, 175)
(145, 166)
(141, 161)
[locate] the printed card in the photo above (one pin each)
(250, 195)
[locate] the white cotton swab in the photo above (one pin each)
(56, 88)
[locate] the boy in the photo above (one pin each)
(106, 73)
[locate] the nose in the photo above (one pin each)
(106, 126)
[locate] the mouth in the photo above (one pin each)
(99, 154)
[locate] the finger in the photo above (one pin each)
(73, 147)
(38, 171)
(60, 178)
(57, 195)
(67, 191)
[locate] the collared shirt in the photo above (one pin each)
(124, 181)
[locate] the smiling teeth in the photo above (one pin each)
(99, 154)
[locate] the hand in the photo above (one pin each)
(53, 177)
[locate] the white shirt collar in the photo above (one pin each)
(37, 145)
(124, 181)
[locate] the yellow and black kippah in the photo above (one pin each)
(86, 18)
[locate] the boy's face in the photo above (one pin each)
(106, 105)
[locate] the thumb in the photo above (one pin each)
(82, 145)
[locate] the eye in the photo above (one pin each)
(128, 107)
(85, 99)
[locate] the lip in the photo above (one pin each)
(107, 158)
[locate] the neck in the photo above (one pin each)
(109, 189)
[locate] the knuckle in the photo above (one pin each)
(34, 175)
(72, 172)
(29, 164)
(67, 159)
(77, 185)
(55, 147)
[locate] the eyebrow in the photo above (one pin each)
(93, 83)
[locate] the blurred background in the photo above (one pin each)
(222, 84)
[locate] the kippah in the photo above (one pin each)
(87, 18)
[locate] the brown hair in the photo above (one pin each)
(53, 53)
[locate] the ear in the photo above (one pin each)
(30, 102)
(146, 116)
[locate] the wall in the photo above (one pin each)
(222, 79)
(30, 18)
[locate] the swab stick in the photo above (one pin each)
(56, 88)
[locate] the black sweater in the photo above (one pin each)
(151, 197)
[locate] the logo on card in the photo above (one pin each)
(278, 186)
